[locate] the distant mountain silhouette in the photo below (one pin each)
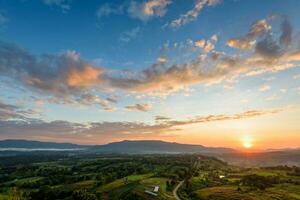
(123, 147)
(155, 146)
(263, 158)
(38, 145)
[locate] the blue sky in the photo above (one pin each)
(73, 67)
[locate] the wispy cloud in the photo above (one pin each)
(297, 76)
(3, 19)
(192, 14)
(65, 5)
(162, 118)
(142, 10)
(148, 9)
(139, 107)
(264, 88)
(129, 35)
(107, 9)
(272, 98)
(12, 112)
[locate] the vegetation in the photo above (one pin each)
(94, 177)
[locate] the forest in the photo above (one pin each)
(181, 176)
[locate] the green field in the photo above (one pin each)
(121, 182)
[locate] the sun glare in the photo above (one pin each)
(247, 142)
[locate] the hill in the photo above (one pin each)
(28, 144)
(156, 147)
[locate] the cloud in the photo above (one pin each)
(223, 117)
(56, 74)
(109, 9)
(111, 131)
(192, 14)
(267, 55)
(268, 48)
(67, 76)
(39, 127)
(207, 46)
(127, 36)
(63, 4)
(161, 118)
(262, 28)
(148, 9)
(139, 107)
(297, 76)
(272, 98)
(286, 35)
(264, 88)
(12, 112)
(3, 19)
(257, 29)
(89, 99)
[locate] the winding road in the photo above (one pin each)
(175, 190)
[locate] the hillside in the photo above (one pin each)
(156, 146)
(28, 144)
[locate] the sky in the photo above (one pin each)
(210, 72)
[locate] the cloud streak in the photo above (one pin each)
(12, 112)
(3, 19)
(114, 130)
(63, 4)
(192, 14)
(139, 107)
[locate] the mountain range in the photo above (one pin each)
(263, 158)
(123, 147)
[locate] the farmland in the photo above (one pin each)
(129, 176)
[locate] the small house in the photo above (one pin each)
(156, 188)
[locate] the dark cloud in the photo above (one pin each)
(286, 33)
(268, 48)
(161, 118)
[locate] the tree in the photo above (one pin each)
(83, 195)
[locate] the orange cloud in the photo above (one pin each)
(83, 77)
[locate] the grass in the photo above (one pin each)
(137, 184)
(3, 196)
(161, 182)
(283, 192)
(120, 182)
(290, 190)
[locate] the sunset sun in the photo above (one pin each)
(247, 145)
(247, 142)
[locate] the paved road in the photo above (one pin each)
(175, 190)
